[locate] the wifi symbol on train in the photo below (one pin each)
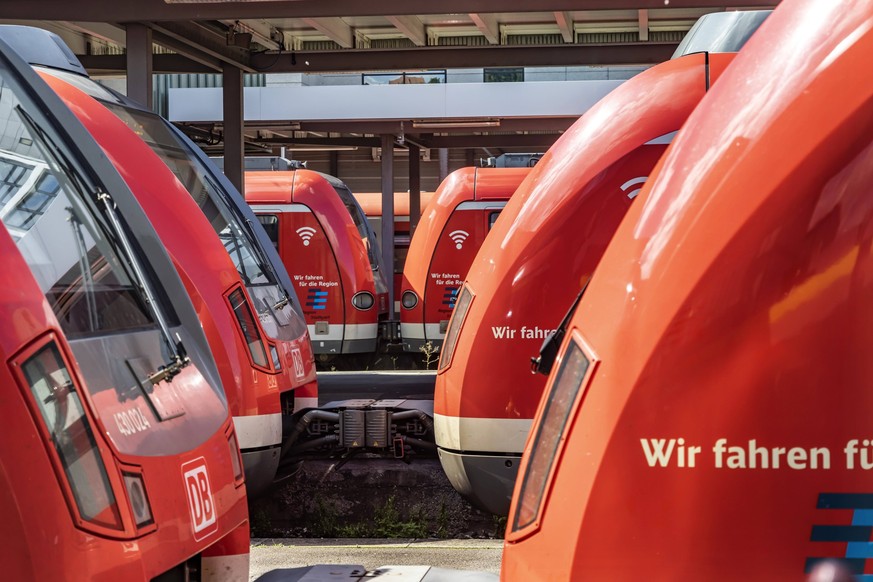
(640, 180)
(306, 233)
(458, 237)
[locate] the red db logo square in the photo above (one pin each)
(200, 501)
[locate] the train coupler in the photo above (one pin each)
(392, 428)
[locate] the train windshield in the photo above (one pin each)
(273, 305)
(723, 32)
(151, 128)
(360, 223)
(274, 309)
(71, 249)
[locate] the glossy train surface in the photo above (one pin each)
(537, 257)
(118, 455)
(329, 250)
(261, 353)
(708, 418)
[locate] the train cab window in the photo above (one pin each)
(361, 223)
(196, 179)
(270, 222)
(492, 218)
(71, 436)
(71, 253)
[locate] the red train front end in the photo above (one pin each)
(118, 459)
(536, 259)
(708, 418)
(266, 359)
(327, 248)
(452, 229)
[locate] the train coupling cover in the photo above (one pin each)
(398, 428)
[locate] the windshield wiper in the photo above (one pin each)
(543, 363)
(285, 299)
(179, 356)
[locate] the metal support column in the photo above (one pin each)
(334, 164)
(139, 63)
(388, 217)
(234, 147)
(444, 164)
(414, 188)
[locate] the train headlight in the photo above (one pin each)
(73, 443)
(409, 299)
(274, 355)
(363, 300)
(249, 327)
(549, 433)
(139, 501)
(235, 459)
(457, 322)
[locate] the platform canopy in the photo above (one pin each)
(416, 40)
(351, 35)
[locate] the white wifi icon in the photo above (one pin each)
(458, 237)
(306, 233)
(633, 182)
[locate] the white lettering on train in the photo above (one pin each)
(506, 332)
(131, 421)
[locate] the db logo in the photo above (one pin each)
(200, 500)
(299, 370)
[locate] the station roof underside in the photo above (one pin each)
(321, 36)
(350, 35)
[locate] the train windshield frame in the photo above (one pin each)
(95, 287)
(253, 269)
(249, 259)
(361, 223)
(77, 232)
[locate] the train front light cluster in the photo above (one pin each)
(71, 437)
(409, 299)
(458, 316)
(235, 458)
(549, 435)
(243, 312)
(139, 501)
(363, 300)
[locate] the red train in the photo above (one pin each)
(258, 339)
(456, 222)
(542, 251)
(118, 455)
(329, 250)
(707, 418)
